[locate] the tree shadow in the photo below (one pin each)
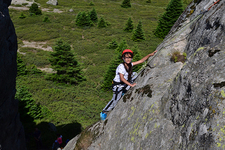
(49, 134)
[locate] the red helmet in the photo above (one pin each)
(127, 51)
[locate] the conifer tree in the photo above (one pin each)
(137, 57)
(129, 25)
(28, 108)
(35, 10)
(78, 18)
(122, 46)
(113, 44)
(93, 15)
(116, 60)
(102, 23)
(138, 34)
(64, 63)
(173, 11)
(126, 4)
(21, 67)
(83, 19)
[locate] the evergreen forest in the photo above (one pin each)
(66, 57)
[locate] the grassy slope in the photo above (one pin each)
(81, 104)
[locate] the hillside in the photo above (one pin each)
(175, 105)
(71, 107)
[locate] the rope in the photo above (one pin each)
(177, 33)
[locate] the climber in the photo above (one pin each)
(123, 80)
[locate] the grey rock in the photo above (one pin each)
(71, 10)
(175, 105)
(52, 2)
(12, 133)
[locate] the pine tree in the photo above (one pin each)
(102, 23)
(21, 67)
(173, 11)
(110, 73)
(129, 25)
(137, 57)
(35, 10)
(123, 45)
(126, 4)
(64, 63)
(113, 44)
(78, 18)
(28, 108)
(138, 34)
(116, 60)
(83, 19)
(93, 15)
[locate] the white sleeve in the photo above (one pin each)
(121, 69)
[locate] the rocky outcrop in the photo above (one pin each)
(52, 2)
(12, 133)
(175, 105)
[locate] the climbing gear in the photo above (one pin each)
(103, 115)
(119, 85)
(127, 51)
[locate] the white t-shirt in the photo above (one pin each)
(121, 69)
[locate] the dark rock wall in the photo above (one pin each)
(12, 133)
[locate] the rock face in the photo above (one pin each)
(174, 105)
(12, 133)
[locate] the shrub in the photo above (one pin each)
(46, 19)
(32, 69)
(91, 4)
(177, 57)
(185, 55)
(126, 4)
(138, 34)
(35, 10)
(129, 25)
(22, 16)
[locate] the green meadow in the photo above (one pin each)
(74, 107)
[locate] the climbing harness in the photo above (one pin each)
(173, 36)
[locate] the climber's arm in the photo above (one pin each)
(144, 58)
